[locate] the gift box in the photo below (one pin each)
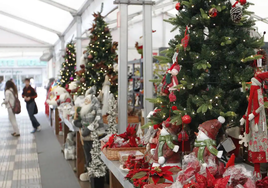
(123, 155)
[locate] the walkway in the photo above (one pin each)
(32, 160)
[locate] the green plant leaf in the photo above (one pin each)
(139, 175)
(204, 108)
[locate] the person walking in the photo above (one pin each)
(29, 94)
(10, 93)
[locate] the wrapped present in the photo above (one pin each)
(123, 155)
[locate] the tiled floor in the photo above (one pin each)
(19, 166)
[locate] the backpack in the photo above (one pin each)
(16, 109)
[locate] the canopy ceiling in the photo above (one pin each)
(39, 23)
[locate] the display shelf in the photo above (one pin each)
(113, 166)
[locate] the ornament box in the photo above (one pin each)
(113, 153)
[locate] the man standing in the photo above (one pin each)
(29, 95)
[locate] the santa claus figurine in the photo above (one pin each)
(205, 143)
(167, 147)
(256, 126)
(174, 80)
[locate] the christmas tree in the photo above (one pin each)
(211, 63)
(100, 60)
(96, 168)
(112, 115)
(67, 71)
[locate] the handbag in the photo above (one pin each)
(17, 108)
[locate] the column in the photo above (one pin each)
(122, 71)
(53, 65)
(147, 58)
(78, 41)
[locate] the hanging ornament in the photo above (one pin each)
(82, 66)
(71, 78)
(186, 119)
(90, 56)
(242, 2)
(185, 40)
(178, 6)
(236, 13)
(213, 12)
(172, 97)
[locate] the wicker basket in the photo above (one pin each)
(113, 153)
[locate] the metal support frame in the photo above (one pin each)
(123, 67)
(78, 41)
(62, 52)
(29, 22)
(264, 20)
(134, 2)
(163, 30)
(24, 35)
(54, 64)
(60, 6)
(147, 58)
(39, 46)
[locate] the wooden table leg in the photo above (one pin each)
(57, 122)
(51, 116)
(114, 183)
(66, 131)
(80, 156)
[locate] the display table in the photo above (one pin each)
(54, 118)
(117, 176)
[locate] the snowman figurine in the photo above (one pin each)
(205, 143)
(166, 151)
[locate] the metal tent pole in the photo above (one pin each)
(147, 58)
(78, 41)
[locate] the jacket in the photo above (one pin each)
(29, 92)
(9, 100)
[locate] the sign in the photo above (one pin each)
(22, 63)
(20, 72)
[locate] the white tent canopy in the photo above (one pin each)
(27, 28)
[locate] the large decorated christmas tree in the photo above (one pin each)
(100, 60)
(211, 63)
(67, 72)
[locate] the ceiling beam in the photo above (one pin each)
(79, 13)
(29, 22)
(23, 35)
(155, 7)
(259, 18)
(60, 6)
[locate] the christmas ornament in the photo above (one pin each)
(185, 40)
(256, 127)
(82, 66)
(178, 6)
(242, 2)
(174, 108)
(236, 13)
(186, 119)
(90, 56)
(172, 97)
(205, 143)
(71, 78)
(213, 12)
(106, 29)
(82, 80)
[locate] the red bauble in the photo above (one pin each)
(213, 12)
(242, 2)
(174, 108)
(178, 6)
(186, 119)
(156, 126)
(90, 56)
(172, 97)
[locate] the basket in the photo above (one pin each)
(113, 153)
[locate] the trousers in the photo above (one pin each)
(31, 108)
(13, 120)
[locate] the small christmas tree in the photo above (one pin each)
(96, 168)
(112, 115)
(100, 60)
(67, 71)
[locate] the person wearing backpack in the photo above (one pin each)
(11, 94)
(29, 95)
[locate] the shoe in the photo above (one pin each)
(13, 134)
(16, 135)
(38, 129)
(33, 131)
